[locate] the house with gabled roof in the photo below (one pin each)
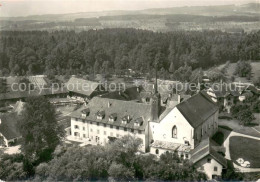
(103, 119)
(84, 88)
(208, 160)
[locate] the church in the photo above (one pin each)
(181, 128)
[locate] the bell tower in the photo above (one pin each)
(155, 100)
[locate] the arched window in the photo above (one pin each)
(174, 132)
(157, 151)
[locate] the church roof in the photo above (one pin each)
(205, 149)
(121, 108)
(197, 109)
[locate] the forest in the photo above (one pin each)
(112, 51)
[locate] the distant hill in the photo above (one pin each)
(229, 18)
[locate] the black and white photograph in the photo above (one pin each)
(129, 90)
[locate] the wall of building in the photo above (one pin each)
(207, 129)
(209, 168)
(160, 151)
(99, 133)
(163, 131)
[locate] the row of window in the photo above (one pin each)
(215, 168)
(77, 134)
(157, 152)
(117, 127)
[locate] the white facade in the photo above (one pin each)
(209, 166)
(99, 132)
(163, 131)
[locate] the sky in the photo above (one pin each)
(13, 8)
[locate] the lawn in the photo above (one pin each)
(246, 148)
(255, 70)
(235, 126)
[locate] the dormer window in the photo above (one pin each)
(138, 122)
(85, 112)
(112, 117)
(100, 115)
(126, 119)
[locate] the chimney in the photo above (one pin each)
(0, 121)
(108, 104)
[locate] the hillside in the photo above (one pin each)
(229, 18)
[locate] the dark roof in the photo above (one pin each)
(25, 94)
(197, 109)
(120, 108)
(205, 149)
(81, 86)
(9, 126)
(131, 93)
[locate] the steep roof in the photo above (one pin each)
(81, 86)
(8, 126)
(119, 107)
(197, 109)
(205, 149)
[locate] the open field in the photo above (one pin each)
(245, 148)
(232, 66)
(235, 126)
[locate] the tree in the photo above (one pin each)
(3, 85)
(40, 130)
(243, 69)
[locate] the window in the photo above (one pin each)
(84, 136)
(156, 151)
(139, 131)
(111, 134)
(105, 125)
(186, 156)
(76, 119)
(83, 128)
(125, 129)
(132, 130)
(111, 126)
(90, 122)
(105, 132)
(209, 160)
(174, 132)
(97, 131)
(98, 124)
(117, 127)
(76, 127)
(117, 135)
(215, 168)
(76, 134)
(91, 130)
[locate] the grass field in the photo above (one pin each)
(246, 148)
(232, 66)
